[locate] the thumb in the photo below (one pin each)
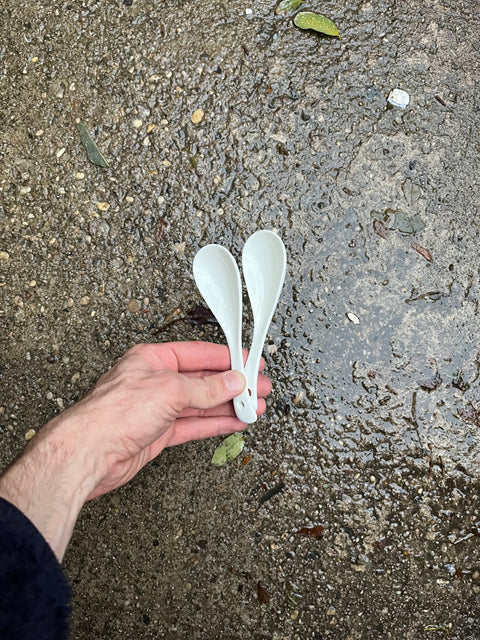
(210, 391)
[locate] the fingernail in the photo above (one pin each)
(234, 381)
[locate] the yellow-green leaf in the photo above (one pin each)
(317, 22)
(285, 7)
(230, 448)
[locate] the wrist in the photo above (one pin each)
(51, 481)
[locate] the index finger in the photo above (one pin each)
(195, 356)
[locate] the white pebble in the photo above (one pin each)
(398, 98)
(180, 247)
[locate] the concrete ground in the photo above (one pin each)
(373, 423)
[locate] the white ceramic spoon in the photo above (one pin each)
(264, 264)
(218, 280)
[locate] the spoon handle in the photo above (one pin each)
(245, 409)
(252, 365)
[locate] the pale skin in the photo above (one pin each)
(156, 396)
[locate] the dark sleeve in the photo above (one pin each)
(34, 592)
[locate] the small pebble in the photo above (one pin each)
(133, 306)
(298, 398)
(137, 123)
(272, 348)
(25, 190)
(75, 378)
(398, 98)
(79, 175)
(32, 283)
(146, 142)
(166, 163)
(18, 301)
(197, 116)
(59, 401)
(4, 255)
(103, 206)
(353, 318)
(70, 303)
(180, 247)
(129, 199)
(84, 300)
(60, 152)
(103, 227)
(29, 435)
(150, 128)
(39, 132)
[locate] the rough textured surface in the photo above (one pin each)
(382, 448)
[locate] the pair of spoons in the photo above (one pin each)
(218, 280)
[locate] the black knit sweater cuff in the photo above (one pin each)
(34, 592)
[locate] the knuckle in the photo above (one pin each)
(137, 350)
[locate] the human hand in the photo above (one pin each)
(157, 395)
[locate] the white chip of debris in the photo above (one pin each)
(398, 98)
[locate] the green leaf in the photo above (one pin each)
(287, 6)
(310, 20)
(230, 448)
(93, 151)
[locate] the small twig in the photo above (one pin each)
(268, 495)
